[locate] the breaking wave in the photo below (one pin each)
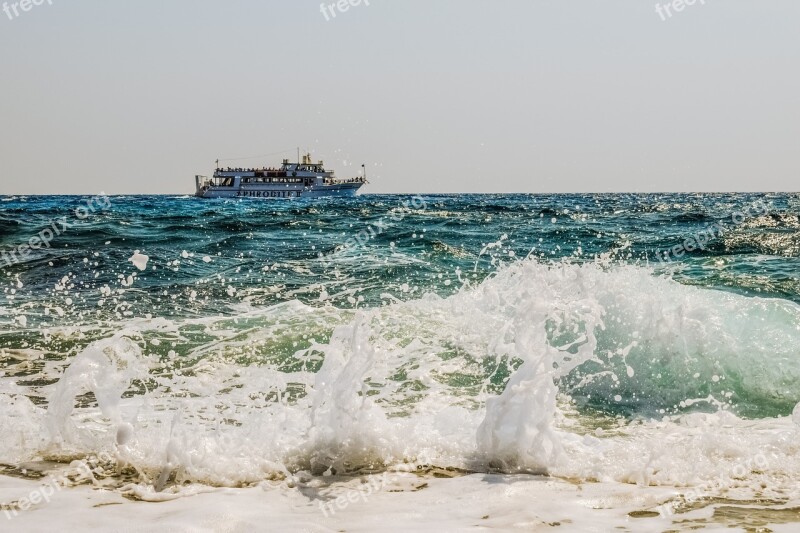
(582, 371)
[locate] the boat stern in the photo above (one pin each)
(202, 184)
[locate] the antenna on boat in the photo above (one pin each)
(298, 155)
(365, 171)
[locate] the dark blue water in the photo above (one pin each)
(271, 250)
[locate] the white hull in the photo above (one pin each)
(291, 180)
(265, 193)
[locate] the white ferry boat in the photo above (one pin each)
(292, 180)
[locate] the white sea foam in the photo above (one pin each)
(139, 260)
(422, 381)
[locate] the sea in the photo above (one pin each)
(492, 347)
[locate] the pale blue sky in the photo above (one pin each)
(435, 95)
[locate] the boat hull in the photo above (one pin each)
(281, 193)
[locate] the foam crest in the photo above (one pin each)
(105, 369)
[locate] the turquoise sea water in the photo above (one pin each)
(422, 243)
(248, 304)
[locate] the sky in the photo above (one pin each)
(528, 96)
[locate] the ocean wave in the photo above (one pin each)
(580, 371)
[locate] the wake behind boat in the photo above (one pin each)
(305, 179)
